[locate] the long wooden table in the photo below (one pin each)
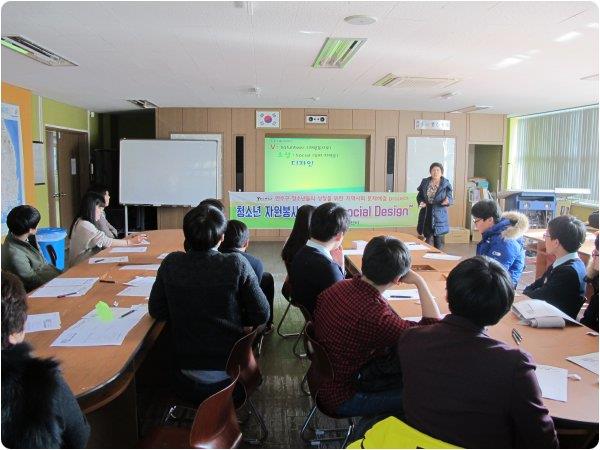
(543, 259)
(99, 375)
(547, 346)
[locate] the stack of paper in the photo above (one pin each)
(552, 381)
(91, 331)
(65, 287)
(401, 294)
(42, 322)
(413, 246)
(128, 249)
(108, 260)
(441, 256)
(589, 361)
(138, 287)
(540, 314)
(141, 267)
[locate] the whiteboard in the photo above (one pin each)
(421, 152)
(165, 172)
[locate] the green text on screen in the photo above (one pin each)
(314, 164)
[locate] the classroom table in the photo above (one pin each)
(546, 346)
(543, 259)
(100, 375)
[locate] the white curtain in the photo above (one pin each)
(555, 150)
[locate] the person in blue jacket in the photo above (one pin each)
(501, 236)
(434, 196)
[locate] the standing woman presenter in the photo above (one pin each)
(434, 197)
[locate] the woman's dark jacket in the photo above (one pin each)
(38, 408)
(590, 317)
(439, 219)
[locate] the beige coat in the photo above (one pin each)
(86, 240)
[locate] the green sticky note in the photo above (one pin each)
(104, 312)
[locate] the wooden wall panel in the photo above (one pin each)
(486, 128)
(340, 119)
(292, 118)
(219, 122)
(386, 126)
(194, 120)
(406, 127)
(363, 119)
(319, 112)
(168, 120)
(459, 132)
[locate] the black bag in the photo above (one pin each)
(381, 373)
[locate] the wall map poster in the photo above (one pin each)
(13, 186)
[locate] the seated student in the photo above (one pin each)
(213, 202)
(465, 388)
(562, 285)
(85, 238)
(208, 298)
(314, 268)
(38, 408)
(590, 317)
(298, 237)
(236, 240)
(353, 321)
(501, 236)
(20, 252)
(102, 224)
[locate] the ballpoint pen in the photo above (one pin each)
(65, 295)
(401, 296)
(127, 313)
(518, 334)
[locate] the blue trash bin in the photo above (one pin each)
(52, 242)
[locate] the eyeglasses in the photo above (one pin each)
(546, 235)
(476, 221)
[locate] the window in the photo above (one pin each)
(555, 150)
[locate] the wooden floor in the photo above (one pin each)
(279, 399)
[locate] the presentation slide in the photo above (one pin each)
(315, 164)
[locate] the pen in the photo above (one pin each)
(518, 334)
(127, 313)
(64, 295)
(107, 281)
(401, 296)
(98, 260)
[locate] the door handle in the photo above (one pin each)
(56, 195)
(62, 194)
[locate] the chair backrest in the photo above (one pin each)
(242, 357)
(305, 313)
(393, 433)
(321, 370)
(215, 424)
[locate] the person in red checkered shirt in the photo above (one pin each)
(355, 323)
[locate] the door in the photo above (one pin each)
(66, 154)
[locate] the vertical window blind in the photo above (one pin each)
(555, 150)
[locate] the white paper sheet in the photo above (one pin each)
(418, 318)
(136, 291)
(91, 331)
(74, 287)
(128, 249)
(359, 244)
(534, 309)
(141, 281)
(141, 267)
(413, 246)
(353, 251)
(108, 260)
(589, 361)
(42, 322)
(144, 242)
(401, 294)
(552, 381)
(163, 255)
(441, 256)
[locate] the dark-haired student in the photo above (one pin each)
(562, 285)
(38, 408)
(102, 223)
(465, 388)
(213, 202)
(501, 236)
(590, 316)
(236, 240)
(85, 238)
(20, 252)
(208, 298)
(295, 241)
(313, 267)
(353, 321)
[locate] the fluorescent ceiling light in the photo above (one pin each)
(311, 32)
(34, 51)
(337, 52)
(568, 36)
(146, 104)
(469, 109)
(13, 47)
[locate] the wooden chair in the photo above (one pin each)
(319, 373)
(215, 425)
(242, 357)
